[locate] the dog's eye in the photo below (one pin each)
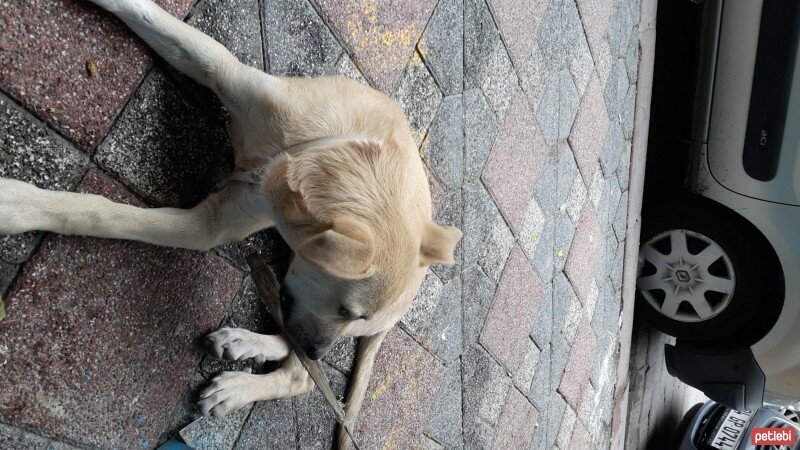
(346, 313)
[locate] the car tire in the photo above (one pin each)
(736, 286)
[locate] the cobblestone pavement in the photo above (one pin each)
(523, 111)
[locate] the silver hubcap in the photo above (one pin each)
(684, 278)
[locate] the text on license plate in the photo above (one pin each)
(731, 430)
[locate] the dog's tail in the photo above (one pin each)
(365, 360)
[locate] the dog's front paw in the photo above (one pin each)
(236, 344)
(17, 206)
(228, 392)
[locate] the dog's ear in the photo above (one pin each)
(438, 244)
(345, 251)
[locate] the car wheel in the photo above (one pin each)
(702, 275)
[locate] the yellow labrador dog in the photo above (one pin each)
(331, 163)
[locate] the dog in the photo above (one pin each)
(329, 162)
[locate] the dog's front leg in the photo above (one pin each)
(234, 213)
(196, 54)
(231, 390)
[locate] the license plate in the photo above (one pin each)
(730, 431)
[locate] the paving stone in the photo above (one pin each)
(616, 90)
(298, 42)
(590, 302)
(632, 55)
(617, 266)
(581, 438)
(400, 394)
(442, 45)
(380, 34)
(444, 151)
(533, 74)
(564, 235)
(555, 416)
(624, 168)
(569, 101)
(542, 329)
(314, 419)
(559, 357)
(29, 152)
(500, 83)
(122, 319)
(481, 38)
(620, 27)
(416, 319)
(576, 199)
(480, 130)
(524, 376)
(549, 176)
(478, 292)
(590, 130)
(52, 42)
(540, 391)
(605, 351)
(486, 238)
(346, 68)
(579, 365)
(627, 113)
(185, 410)
(547, 114)
(515, 161)
(419, 97)
(575, 315)
(505, 334)
(550, 39)
(13, 438)
(595, 17)
(450, 213)
(485, 386)
(620, 218)
(215, 434)
(271, 424)
(8, 272)
(563, 299)
(342, 354)
(519, 23)
(583, 254)
(582, 65)
(567, 175)
(164, 147)
(607, 206)
(566, 428)
(444, 423)
(234, 24)
(614, 147)
(542, 255)
(444, 337)
(515, 429)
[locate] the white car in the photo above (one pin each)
(720, 263)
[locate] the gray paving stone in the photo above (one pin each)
(620, 217)
(558, 360)
(417, 318)
(620, 27)
(547, 113)
(542, 329)
(444, 422)
(569, 101)
(445, 149)
(533, 73)
(444, 331)
(527, 368)
(606, 343)
(544, 193)
(480, 40)
(164, 147)
(614, 147)
(624, 168)
(582, 65)
(540, 389)
(616, 90)
(298, 42)
(480, 130)
(500, 83)
(442, 46)
(450, 213)
(567, 173)
(616, 268)
(347, 68)
(315, 422)
(556, 410)
(605, 263)
(419, 96)
(537, 242)
(487, 239)
(478, 292)
(271, 424)
(565, 430)
(234, 24)
(563, 295)
(627, 112)
(550, 32)
(31, 153)
(564, 234)
(14, 438)
(606, 315)
(485, 386)
(208, 433)
(342, 355)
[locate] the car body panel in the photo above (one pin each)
(730, 107)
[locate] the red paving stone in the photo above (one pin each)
(595, 15)
(514, 162)
(579, 365)
(381, 34)
(515, 304)
(519, 22)
(400, 394)
(44, 49)
(590, 129)
(583, 254)
(517, 423)
(100, 334)
(581, 439)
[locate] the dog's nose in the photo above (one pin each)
(313, 352)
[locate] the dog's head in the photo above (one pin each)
(360, 247)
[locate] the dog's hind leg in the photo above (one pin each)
(234, 213)
(232, 390)
(196, 54)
